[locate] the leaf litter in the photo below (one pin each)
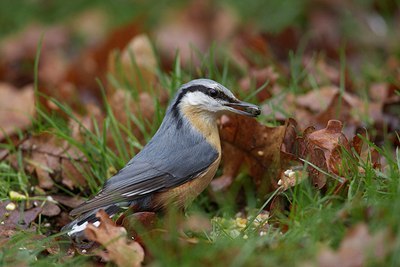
(316, 145)
(114, 239)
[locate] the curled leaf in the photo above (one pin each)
(113, 239)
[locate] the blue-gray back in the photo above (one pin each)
(173, 156)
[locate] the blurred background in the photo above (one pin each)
(84, 85)
(291, 46)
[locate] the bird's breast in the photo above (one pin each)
(185, 193)
(203, 123)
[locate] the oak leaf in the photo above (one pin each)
(114, 239)
(246, 142)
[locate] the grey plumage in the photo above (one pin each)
(169, 159)
(178, 153)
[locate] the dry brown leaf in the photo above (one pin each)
(136, 65)
(114, 239)
(124, 105)
(343, 107)
(283, 105)
(231, 166)
(15, 219)
(17, 108)
(43, 165)
(18, 51)
(324, 73)
(52, 159)
(364, 151)
(42, 155)
(70, 202)
(318, 100)
(73, 173)
(138, 222)
(82, 124)
(49, 209)
(358, 248)
(323, 149)
(256, 146)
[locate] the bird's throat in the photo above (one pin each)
(205, 123)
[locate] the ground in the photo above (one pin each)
(313, 181)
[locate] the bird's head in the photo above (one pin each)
(207, 97)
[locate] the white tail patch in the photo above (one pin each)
(79, 228)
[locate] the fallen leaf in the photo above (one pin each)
(17, 219)
(52, 159)
(319, 99)
(324, 73)
(343, 107)
(325, 34)
(114, 239)
(18, 51)
(137, 221)
(17, 109)
(73, 173)
(230, 167)
(124, 105)
(323, 149)
(49, 209)
(68, 201)
(256, 146)
(43, 166)
(137, 65)
(364, 151)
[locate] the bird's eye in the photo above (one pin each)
(213, 92)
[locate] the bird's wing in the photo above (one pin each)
(140, 178)
(166, 162)
(131, 182)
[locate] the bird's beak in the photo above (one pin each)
(244, 108)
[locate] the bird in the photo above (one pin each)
(176, 165)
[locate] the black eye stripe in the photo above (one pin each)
(199, 88)
(213, 92)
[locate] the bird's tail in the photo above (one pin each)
(76, 229)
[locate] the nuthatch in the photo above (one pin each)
(179, 161)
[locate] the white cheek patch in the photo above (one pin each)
(201, 100)
(196, 99)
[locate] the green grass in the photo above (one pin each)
(311, 220)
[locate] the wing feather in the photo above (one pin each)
(171, 158)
